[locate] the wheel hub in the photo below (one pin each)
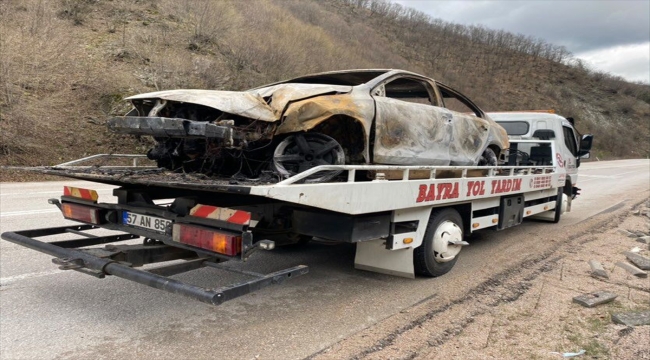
(301, 152)
(446, 241)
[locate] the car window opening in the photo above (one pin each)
(408, 90)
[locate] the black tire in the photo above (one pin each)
(488, 158)
(558, 206)
(424, 256)
(303, 151)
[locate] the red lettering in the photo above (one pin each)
(440, 191)
(441, 186)
(516, 186)
(454, 193)
(422, 194)
(478, 188)
(432, 193)
(446, 190)
(507, 186)
(494, 186)
(471, 187)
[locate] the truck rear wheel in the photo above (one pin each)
(442, 244)
(558, 206)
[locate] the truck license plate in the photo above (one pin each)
(153, 223)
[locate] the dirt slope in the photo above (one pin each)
(65, 65)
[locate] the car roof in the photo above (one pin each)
(351, 77)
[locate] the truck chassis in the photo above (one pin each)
(404, 219)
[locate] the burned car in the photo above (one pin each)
(390, 117)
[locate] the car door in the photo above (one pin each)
(470, 130)
(409, 128)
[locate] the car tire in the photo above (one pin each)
(300, 152)
(488, 158)
(432, 257)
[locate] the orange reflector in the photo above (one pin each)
(407, 240)
(495, 220)
(475, 225)
(545, 207)
(207, 239)
(81, 213)
(80, 193)
(528, 212)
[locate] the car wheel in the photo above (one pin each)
(488, 158)
(442, 244)
(301, 152)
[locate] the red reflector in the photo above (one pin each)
(80, 193)
(81, 213)
(207, 239)
(220, 213)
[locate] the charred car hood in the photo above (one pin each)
(251, 104)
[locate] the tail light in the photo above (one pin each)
(81, 213)
(207, 239)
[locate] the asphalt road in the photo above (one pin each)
(48, 313)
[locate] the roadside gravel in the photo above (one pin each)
(526, 311)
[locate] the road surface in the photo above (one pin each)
(48, 313)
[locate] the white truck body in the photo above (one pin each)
(570, 145)
(404, 220)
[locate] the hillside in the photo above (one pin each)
(65, 65)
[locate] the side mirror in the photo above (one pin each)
(585, 144)
(585, 156)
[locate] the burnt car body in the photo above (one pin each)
(389, 117)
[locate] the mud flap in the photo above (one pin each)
(373, 256)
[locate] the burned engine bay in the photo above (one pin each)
(229, 156)
(194, 138)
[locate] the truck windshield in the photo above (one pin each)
(515, 127)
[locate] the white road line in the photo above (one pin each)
(599, 176)
(11, 279)
(28, 212)
(613, 167)
(632, 172)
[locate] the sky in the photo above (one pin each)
(610, 36)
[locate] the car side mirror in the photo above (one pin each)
(585, 143)
(585, 156)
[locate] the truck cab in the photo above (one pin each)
(571, 146)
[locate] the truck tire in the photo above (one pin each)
(558, 205)
(436, 256)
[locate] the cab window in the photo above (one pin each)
(515, 127)
(570, 140)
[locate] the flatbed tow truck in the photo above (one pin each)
(404, 220)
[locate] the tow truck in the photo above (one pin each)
(404, 220)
